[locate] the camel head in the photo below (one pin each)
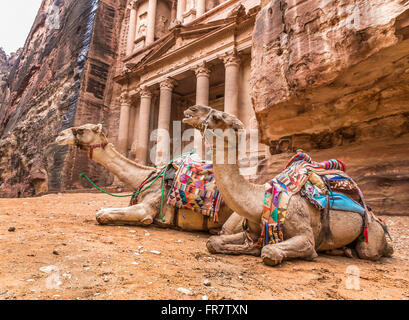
(85, 135)
(203, 117)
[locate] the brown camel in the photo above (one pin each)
(90, 138)
(302, 226)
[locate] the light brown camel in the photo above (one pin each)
(302, 226)
(90, 138)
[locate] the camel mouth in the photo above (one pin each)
(189, 118)
(62, 141)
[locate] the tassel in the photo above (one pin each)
(366, 234)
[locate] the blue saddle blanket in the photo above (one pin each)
(337, 201)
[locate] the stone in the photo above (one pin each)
(155, 252)
(206, 283)
(49, 269)
(12, 229)
(185, 291)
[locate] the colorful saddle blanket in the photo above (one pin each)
(296, 177)
(194, 188)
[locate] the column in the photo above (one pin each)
(143, 125)
(231, 91)
(202, 98)
(165, 108)
(180, 9)
(173, 11)
(124, 123)
(132, 28)
(150, 32)
(200, 7)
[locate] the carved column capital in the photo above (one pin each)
(202, 71)
(230, 58)
(132, 4)
(125, 97)
(145, 92)
(168, 84)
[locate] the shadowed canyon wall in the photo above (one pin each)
(331, 78)
(59, 80)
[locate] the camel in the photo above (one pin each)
(90, 138)
(302, 227)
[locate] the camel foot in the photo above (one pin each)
(147, 221)
(231, 244)
(103, 217)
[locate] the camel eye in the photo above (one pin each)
(80, 131)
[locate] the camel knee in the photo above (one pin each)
(377, 245)
(103, 217)
(272, 255)
(213, 244)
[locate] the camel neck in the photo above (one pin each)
(240, 195)
(129, 172)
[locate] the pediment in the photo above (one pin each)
(180, 36)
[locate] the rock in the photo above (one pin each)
(39, 94)
(326, 89)
(205, 298)
(206, 283)
(135, 263)
(155, 252)
(240, 277)
(30, 280)
(147, 234)
(49, 269)
(106, 279)
(55, 252)
(12, 229)
(185, 291)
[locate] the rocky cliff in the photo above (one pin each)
(60, 79)
(6, 64)
(331, 77)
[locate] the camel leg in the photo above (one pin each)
(231, 244)
(233, 225)
(133, 215)
(298, 231)
(377, 245)
(299, 246)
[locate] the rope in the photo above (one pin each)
(83, 175)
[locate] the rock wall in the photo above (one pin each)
(6, 64)
(57, 82)
(331, 78)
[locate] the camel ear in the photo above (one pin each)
(97, 128)
(237, 125)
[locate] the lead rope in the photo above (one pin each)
(162, 173)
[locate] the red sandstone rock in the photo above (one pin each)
(330, 77)
(59, 80)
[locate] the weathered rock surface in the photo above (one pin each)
(331, 77)
(58, 81)
(6, 64)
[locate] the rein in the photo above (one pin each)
(89, 147)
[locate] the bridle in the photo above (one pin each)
(89, 147)
(206, 132)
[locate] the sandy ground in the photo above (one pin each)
(115, 262)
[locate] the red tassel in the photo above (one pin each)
(366, 234)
